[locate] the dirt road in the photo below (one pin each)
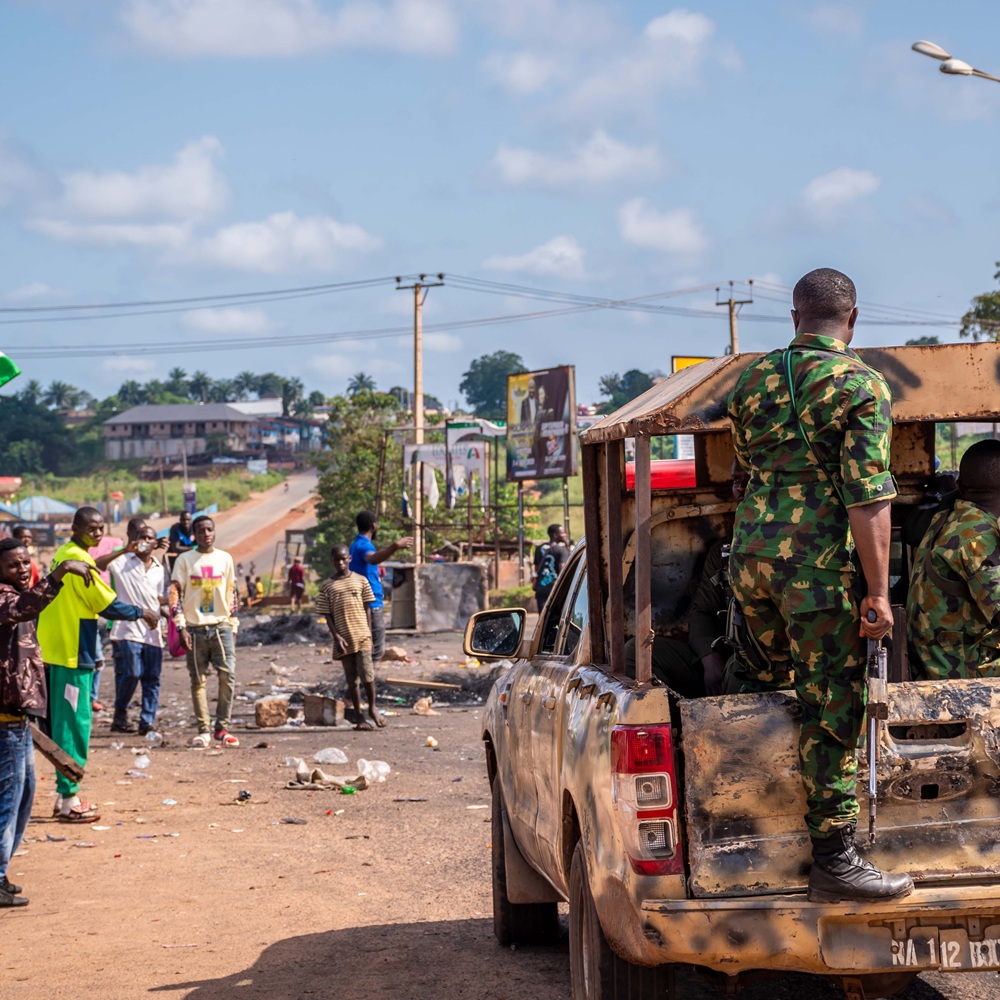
(250, 530)
(370, 899)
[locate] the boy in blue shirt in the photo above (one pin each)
(365, 559)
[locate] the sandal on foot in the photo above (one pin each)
(80, 815)
(201, 740)
(226, 738)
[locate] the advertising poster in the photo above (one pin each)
(684, 443)
(541, 424)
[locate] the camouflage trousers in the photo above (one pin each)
(806, 623)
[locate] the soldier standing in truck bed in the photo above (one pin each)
(812, 426)
(953, 607)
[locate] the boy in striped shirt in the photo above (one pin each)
(345, 600)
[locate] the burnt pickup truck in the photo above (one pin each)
(674, 827)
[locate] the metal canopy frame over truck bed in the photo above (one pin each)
(930, 385)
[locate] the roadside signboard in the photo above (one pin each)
(684, 443)
(541, 424)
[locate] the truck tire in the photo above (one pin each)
(596, 972)
(516, 923)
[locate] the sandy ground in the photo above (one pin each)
(369, 899)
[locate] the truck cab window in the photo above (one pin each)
(576, 622)
(556, 606)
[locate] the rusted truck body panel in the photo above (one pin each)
(735, 898)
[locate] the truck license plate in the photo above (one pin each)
(950, 950)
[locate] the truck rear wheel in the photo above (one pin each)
(516, 923)
(596, 972)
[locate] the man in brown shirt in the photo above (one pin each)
(345, 599)
(22, 693)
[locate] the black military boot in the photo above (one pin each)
(840, 874)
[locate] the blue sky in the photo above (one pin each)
(156, 149)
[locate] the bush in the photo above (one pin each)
(516, 597)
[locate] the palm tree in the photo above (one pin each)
(177, 381)
(61, 395)
(291, 392)
(317, 398)
(223, 391)
(361, 382)
(244, 384)
(32, 392)
(200, 385)
(131, 393)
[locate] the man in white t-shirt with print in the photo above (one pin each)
(203, 604)
(140, 579)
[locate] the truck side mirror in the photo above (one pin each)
(496, 633)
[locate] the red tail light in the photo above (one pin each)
(644, 783)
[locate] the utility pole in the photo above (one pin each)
(420, 288)
(733, 304)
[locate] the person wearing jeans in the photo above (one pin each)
(365, 559)
(22, 693)
(138, 650)
(203, 603)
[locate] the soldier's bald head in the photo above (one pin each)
(979, 471)
(824, 296)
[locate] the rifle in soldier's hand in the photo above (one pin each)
(878, 712)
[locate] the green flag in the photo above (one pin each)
(8, 369)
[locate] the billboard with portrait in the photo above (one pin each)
(541, 424)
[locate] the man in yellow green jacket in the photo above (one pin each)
(67, 634)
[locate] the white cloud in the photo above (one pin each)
(837, 19)
(190, 187)
(442, 343)
(838, 188)
(33, 290)
(128, 365)
(228, 320)
(284, 241)
(599, 160)
(282, 28)
(675, 231)
(561, 256)
(522, 73)
(20, 177)
(669, 54)
(148, 235)
(340, 366)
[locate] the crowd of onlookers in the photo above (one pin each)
(104, 601)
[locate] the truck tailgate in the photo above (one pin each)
(939, 789)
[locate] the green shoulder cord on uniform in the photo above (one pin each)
(837, 488)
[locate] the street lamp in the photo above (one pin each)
(955, 67)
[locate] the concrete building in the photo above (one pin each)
(170, 430)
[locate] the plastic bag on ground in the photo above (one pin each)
(422, 706)
(373, 770)
(331, 755)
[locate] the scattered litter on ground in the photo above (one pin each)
(431, 742)
(100, 828)
(178, 946)
(141, 761)
(132, 773)
(423, 706)
(409, 799)
(54, 840)
(293, 821)
(331, 755)
(169, 802)
(83, 843)
(315, 780)
(244, 795)
(373, 770)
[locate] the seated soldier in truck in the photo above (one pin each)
(953, 608)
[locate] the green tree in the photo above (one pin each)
(622, 389)
(177, 382)
(360, 382)
(982, 321)
(132, 393)
(317, 398)
(245, 384)
(224, 391)
(292, 391)
(269, 386)
(32, 392)
(928, 340)
(61, 396)
(200, 386)
(33, 439)
(348, 471)
(484, 385)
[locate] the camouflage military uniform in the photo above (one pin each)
(953, 609)
(790, 564)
